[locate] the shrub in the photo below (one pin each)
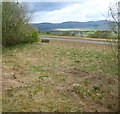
(47, 32)
(101, 34)
(15, 25)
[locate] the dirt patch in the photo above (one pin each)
(72, 70)
(11, 84)
(90, 88)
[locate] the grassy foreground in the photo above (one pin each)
(59, 77)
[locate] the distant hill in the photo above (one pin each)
(100, 25)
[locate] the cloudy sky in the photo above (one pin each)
(72, 10)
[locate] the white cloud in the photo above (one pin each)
(88, 10)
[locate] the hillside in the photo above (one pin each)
(100, 25)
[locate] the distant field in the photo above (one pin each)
(87, 30)
(84, 32)
(76, 29)
(59, 77)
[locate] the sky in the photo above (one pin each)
(58, 11)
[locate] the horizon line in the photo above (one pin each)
(66, 21)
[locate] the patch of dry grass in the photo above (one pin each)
(59, 76)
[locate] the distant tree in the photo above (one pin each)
(47, 32)
(114, 18)
(101, 34)
(15, 25)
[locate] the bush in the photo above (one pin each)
(31, 38)
(101, 34)
(15, 25)
(47, 32)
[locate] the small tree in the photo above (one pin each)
(113, 17)
(15, 24)
(114, 23)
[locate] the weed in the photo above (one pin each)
(38, 68)
(86, 82)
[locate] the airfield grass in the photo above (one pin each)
(59, 77)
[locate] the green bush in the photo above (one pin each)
(31, 38)
(15, 25)
(47, 32)
(101, 34)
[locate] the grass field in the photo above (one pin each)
(59, 77)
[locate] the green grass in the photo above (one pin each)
(38, 68)
(59, 77)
